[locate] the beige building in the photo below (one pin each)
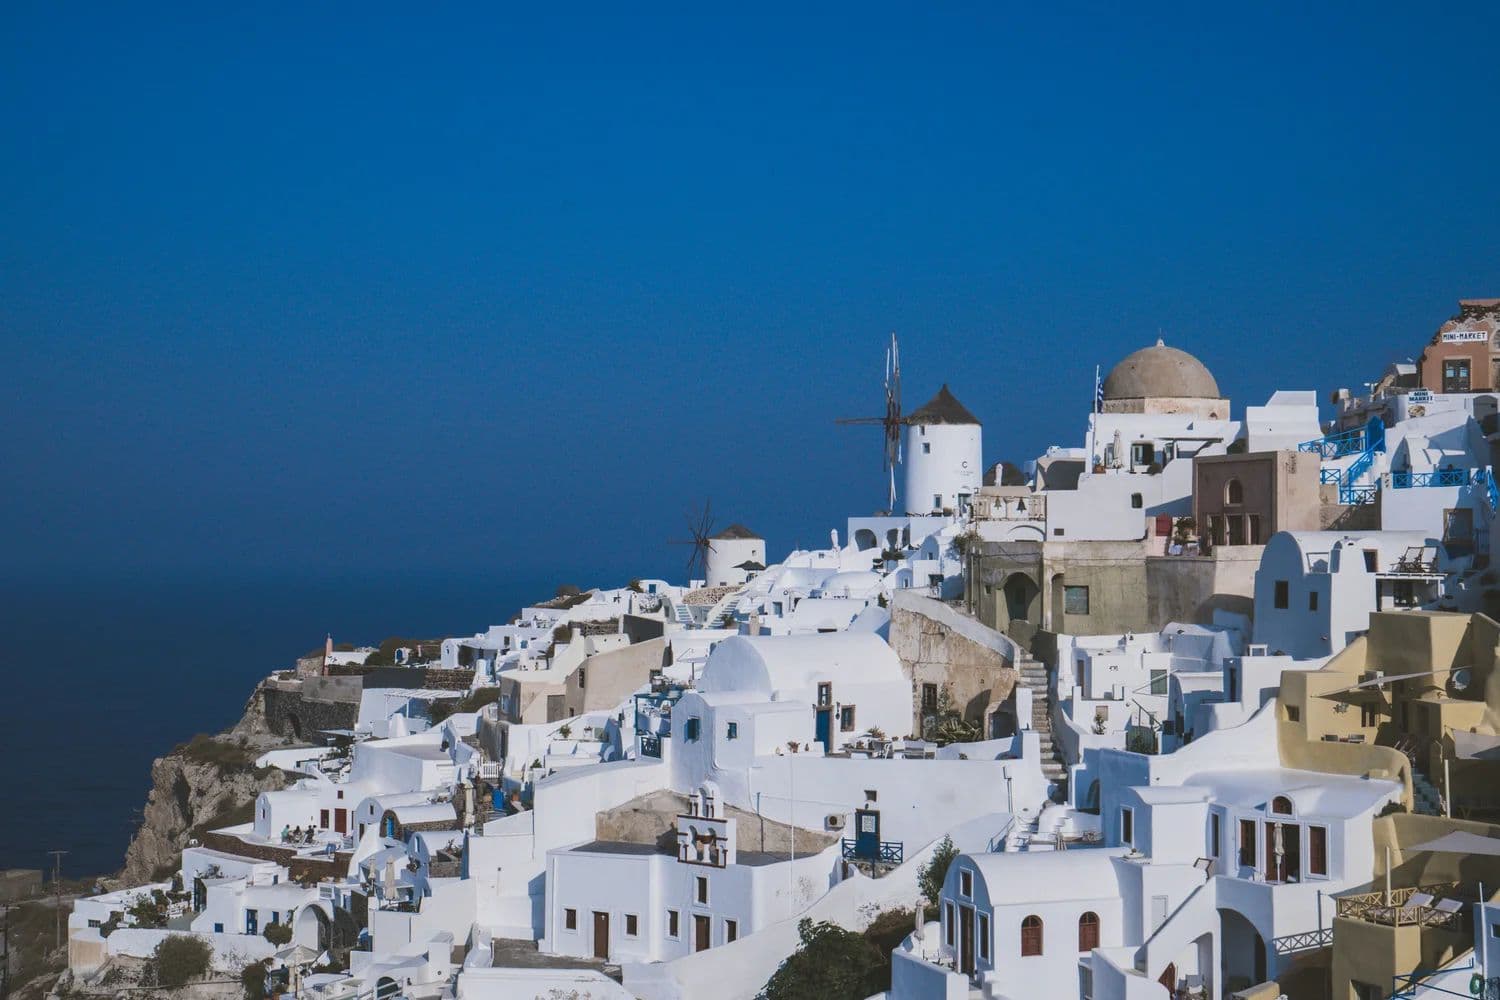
(1245, 499)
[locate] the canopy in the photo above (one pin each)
(1462, 842)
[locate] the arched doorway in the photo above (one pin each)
(312, 929)
(1058, 623)
(1021, 598)
(1242, 952)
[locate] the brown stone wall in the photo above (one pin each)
(977, 677)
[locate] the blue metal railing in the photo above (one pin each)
(1334, 476)
(1406, 985)
(1437, 477)
(891, 852)
(1337, 445)
(1486, 477)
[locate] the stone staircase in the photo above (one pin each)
(1034, 676)
(1428, 800)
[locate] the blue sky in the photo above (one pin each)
(487, 291)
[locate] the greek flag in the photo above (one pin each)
(1098, 391)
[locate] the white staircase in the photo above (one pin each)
(1034, 676)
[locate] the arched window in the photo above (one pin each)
(1234, 492)
(1281, 804)
(1088, 931)
(1031, 936)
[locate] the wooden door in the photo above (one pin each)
(340, 820)
(966, 940)
(701, 925)
(601, 935)
(1169, 978)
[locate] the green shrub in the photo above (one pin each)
(930, 877)
(146, 913)
(831, 964)
(278, 933)
(253, 979)
(181, 958)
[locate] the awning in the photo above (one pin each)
(1461, 842)
(1475, 746)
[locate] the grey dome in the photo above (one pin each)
(1160, 372)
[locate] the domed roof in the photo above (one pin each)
(1160, 372)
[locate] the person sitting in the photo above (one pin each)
(286, 832)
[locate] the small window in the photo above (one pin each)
(1283, 596)
(632, 925)
(1317, 850)
(937, 501)
(581, 678)
(948, 924)
(1088, 931)
(673, 925)
(846, 718)
(1058, 532)
(1370, 563)
(1031, 936)
(929, 698)
(871, 794)
(1234, 492)
(690, 729)
(1369, 716)
(733, 731)
(984, 937)
(1247, 843)
(966, 883)
(1127, 825)
(1076, 600)
(1137, 501)
(1215, 833)
(1159, 682)
(1281, 804)
(1293, 713)
(1312, 600)
(218, 928)
(927, 447)
(702, 889)
(825, 694)
(731, 931)
(570, 919)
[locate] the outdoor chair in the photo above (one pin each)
(1445, 911)
(1412, 911)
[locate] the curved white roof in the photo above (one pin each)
(1046, 876)
(771, 664)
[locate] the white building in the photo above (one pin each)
(734, 555)
(942, 456)
(1315, 590)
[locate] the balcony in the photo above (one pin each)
(1437, 477)
(890, 852)
(1438, 905)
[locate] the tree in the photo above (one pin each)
(181, 958)
(832, 964)
(253, 980)
(278, 933)
(145, 912)
(932, 875)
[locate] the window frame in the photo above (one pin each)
(732, 731)
(701, 890)
(846, 718)
(1083, 922)
(949, 934)
(570, 919)
(632, 925)
(1071, 592)
(1033, 935)
(1127, 825)
(731, 930)
(1316, 831)
(966, 883)
(982, 932)
(674, 924)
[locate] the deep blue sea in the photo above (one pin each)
(103, 676)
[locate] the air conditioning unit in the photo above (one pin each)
(834, 821)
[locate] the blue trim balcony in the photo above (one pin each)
(1437, 477)
(891, 852)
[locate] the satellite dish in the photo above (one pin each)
(1460, 679)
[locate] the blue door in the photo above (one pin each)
(825, 728)
(867, 834)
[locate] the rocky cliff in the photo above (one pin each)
(206, 783)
